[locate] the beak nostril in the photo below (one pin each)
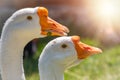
(87, 48)
(53, 24)
(45, 16)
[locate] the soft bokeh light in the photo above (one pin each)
(107, 13)
(107, 9)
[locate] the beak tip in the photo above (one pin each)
(67, 30)
(65, 34)
(99, 51)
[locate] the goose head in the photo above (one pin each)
(33, 22)
(66, 52)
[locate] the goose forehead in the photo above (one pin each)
(25, 11)
(60, 40)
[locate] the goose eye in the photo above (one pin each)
(64, 46)
(29, 18)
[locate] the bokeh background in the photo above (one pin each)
(96, 21)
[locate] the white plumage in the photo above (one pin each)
(62, 53)
(23, 26)
(0, 63)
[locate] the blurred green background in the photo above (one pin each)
(105, 66)
(96, 21)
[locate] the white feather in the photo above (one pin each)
(16, 33)
(55, 59)
(0, 61)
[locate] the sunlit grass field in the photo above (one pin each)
(105, 66)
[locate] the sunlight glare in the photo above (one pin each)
(107, 9)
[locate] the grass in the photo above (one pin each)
(99, 67)
(105, 66)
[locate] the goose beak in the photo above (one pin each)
(84, 50)
(49, 26)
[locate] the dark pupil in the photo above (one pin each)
(29, 17)
(64, 46)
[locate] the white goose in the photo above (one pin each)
(62, 53)
(23, 26)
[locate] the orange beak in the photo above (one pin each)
(84, 50)
(48, 25)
